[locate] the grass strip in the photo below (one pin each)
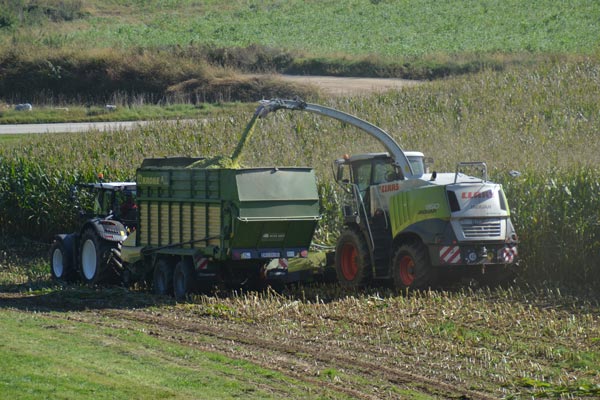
(46, 357)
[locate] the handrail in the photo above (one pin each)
(298, 218)
(471, 164)
(361, 206)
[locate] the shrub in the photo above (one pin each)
(7, 19)
(99, 76)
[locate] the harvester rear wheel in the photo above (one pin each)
(184, 281)
(94, 256)
(411, 267)
(162, 281)
(61, 265)
(352, 260)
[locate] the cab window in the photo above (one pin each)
(383, 171)
(107, 202)
(416, 163)
(361, 173)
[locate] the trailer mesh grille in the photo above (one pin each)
(163, 223)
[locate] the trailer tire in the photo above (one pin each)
(352, 260)
(184, 281)
(94, 255)
(411, 268)
(162, 279)
(61, 263)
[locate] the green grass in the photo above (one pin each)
(78, 113)
(356, 28)
(10, 138)
(50, 356)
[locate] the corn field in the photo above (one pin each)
(542, 121)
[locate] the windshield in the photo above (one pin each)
(383, 171)
(417, 165)
(373, 172)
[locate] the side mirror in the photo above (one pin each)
(339, 176)
(339, 170)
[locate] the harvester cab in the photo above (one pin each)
(359, 174)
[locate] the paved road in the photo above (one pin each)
(68, 127)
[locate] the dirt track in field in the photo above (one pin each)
(299, 359)
(344, 86)
(356, 371)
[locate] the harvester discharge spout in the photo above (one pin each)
(396, 152)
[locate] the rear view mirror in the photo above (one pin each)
(339, 170)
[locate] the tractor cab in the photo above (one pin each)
(112, 200)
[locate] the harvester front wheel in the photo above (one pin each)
(184, 281)
(162, 281)
(61, 265)
(411, 267)
(94, 256)
(352, 260)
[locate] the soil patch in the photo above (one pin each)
(343, 86)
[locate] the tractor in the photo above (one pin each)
(92, 252)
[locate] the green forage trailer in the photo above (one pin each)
(201, 226)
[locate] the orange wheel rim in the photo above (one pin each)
(349, 264)
(407, 270)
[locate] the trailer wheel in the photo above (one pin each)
(94, 255)
(61, 265)
(352, 260)
(162, 281)
(411, 267)
(184, 281)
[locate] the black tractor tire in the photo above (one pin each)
(352, 260)
(95, 254)
(184, 280)
(61, 263)
(411, 268)
(162, 279)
